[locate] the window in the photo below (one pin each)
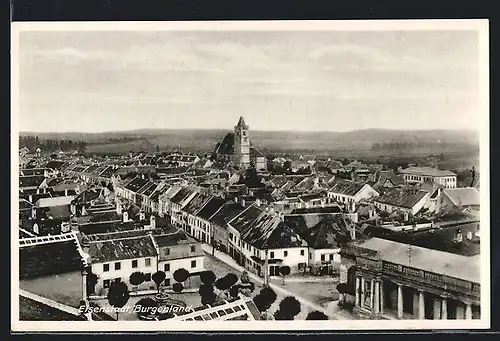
(167, 282)
(193, 248)
(322, 257)
(166, 267)
(134, 263)
(271, 255)
(148, 261)
(105, 283)
(147, 277)
(118, 266)
(310, 255)
(118, 280)
(285, 253)
(301, 252)
(331, 256)
(106, 267)
(166, 252)
(193, 264)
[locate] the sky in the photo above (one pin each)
(83, 81)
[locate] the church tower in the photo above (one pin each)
(241, 144)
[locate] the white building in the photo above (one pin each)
(350, 192)
(177, 250)
(115, 256)
(444, 178)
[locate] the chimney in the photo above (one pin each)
(33, 212)
(30, 198)
(405, 216)
(152, 221)
(242, 202)
(257, 202)
(142, 215)
(125, 216)
(36, 230)
(235, 199)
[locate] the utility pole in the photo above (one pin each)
(266, 269)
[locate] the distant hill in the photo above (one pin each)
(435, 141)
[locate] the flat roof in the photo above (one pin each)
(439, 262)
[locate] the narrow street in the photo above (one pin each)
(331, 312)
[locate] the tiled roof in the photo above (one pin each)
(329, 232)
(87, 195)
(346, 187)
(55, 164)
(108, 172)
(226, 146)
(269, 232)
(183, 193)
(177, 238)
(136, 184)
(196, 203)
(406, 198)
(56, 201)
(227, 213)
(427, 171)
(130, 248)
(91, 169)
(466, 196)
(49, 259)
(211, 207)
(395, 179)
(246, 218)
(31, 181)
(148, 189)
(316, 210)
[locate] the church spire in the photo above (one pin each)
(241, 123)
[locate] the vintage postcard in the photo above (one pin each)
(314, 175)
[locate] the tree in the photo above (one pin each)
(265, 299)
(177, 288)
(244, 277)
(207, 277)
(180, 275)
(158, 277)
(289, 307)
(232, 279)
(91, 282)
(207, 294)
(146, 307)
(136, 279)
(316, 315)
(284, 271)
(118, 295)
(235, 289)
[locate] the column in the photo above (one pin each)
(376, 297)
(381, 296)
(357, 291)
(421, 305)
(400, 301)
(437, 309)
(372, 294)
(444, 309)
(468, 311)
(84, 285)
(362, 292)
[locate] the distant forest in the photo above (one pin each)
(398, 146)
(48, 145)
